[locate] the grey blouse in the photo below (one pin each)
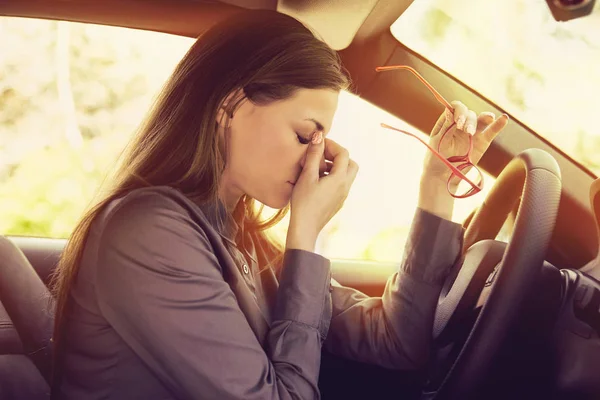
(165, 306)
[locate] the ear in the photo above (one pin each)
(228, 107)
(224, 116)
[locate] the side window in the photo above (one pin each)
(375, 221)
(72, 94)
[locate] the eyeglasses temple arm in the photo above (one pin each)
(436, 94)
(455, 170)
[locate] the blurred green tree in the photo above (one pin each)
(71, 96)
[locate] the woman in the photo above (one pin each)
(170, 287)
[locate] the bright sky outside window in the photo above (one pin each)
(543, 72)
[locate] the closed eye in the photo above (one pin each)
(302, 139)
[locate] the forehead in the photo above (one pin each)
(310, 104)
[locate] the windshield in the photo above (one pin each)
(543, 72)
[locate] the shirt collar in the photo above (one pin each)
(220, 219)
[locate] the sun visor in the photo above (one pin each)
(335, 21)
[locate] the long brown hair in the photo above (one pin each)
(264, 55)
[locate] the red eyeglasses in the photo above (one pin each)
(466, 179)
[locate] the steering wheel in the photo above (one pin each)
(532, 180)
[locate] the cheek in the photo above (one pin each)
(279, 157)
(265, 153)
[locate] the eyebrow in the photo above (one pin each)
(317, 124)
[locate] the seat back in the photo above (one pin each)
(28, 304)
(21, 380)
(10, 342)
(43, 253)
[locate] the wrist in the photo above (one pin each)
(300, 238)
(434, 196)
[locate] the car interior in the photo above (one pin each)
(519, 317)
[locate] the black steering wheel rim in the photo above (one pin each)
(533, 179)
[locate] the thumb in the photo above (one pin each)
(443, 123)
(314, 155)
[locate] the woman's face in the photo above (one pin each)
(267, 145)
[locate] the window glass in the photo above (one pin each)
(543, 72)
(73, 94)
(376, 217)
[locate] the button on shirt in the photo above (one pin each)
(171, 303)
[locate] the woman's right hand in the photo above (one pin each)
(316, 198)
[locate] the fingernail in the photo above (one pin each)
(460, 123)
(317, 137)
(470, 129)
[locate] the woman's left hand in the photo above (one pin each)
(483, 128)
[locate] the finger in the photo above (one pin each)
(338, 155)
(322, 165)
(495, 127)
(487, 116)
(460, 114)
(327, 170)
(314, 155)
(471, 123)
(484, 119)
(352, 172)
(332, 148)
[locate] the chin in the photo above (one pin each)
(275, 196)
(275, 201)
(276, 204)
